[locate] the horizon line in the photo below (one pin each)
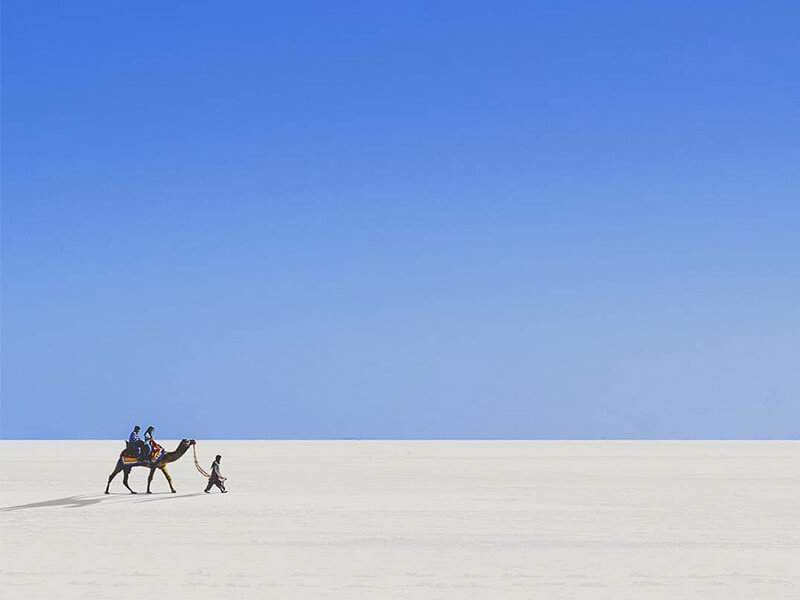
(442, 439)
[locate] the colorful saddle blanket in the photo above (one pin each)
(155, 457)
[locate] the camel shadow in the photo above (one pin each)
(67, 502)
(89, 500)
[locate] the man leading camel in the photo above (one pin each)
(216, 477)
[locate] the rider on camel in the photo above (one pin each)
(152, 445)
(134, 441)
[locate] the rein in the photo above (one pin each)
(197, 464)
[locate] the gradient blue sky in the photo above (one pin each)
(401, 220)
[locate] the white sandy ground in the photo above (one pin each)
(407, 520)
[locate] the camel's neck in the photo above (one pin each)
(175, 454)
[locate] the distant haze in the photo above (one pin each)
(401, 220)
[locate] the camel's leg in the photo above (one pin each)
(169, 479)
(150, 478)
(125, 473)
(117, 469)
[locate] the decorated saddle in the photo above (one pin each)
(130, 456)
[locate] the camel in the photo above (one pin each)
(168, 457)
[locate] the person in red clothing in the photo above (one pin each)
(216, 477)
(153, 447)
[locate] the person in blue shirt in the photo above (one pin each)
(136, 442)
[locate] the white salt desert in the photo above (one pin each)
(407, 520)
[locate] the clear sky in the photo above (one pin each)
(401, 219)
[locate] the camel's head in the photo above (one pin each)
(186, 442)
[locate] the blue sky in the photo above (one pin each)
(401, 220)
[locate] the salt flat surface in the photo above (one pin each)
(407, 520)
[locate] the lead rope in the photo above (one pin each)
(197, 464)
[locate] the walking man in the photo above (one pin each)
(216, 477)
